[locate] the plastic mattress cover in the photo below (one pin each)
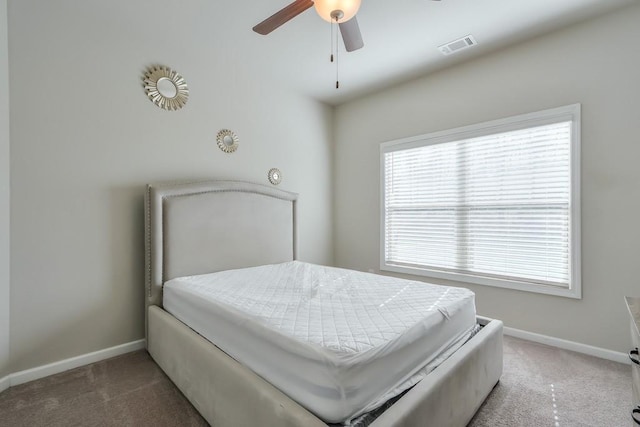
(337, 341)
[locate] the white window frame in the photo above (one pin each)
(566, 113)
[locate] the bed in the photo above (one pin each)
(198, 228)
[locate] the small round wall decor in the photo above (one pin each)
(165, 87)
(275, 176)
(227, 140)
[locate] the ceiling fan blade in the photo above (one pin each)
(351, 35)
(282, 16)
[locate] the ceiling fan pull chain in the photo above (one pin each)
(337, 56)
(331, 43)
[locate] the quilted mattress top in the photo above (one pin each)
(342, 310)
(338, 341)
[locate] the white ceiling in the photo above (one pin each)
(401, 39)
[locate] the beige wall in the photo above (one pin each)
(593, 63)
(85, 140)
(4, 193)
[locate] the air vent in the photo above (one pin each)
(458, 45)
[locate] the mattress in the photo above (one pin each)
(339, 342)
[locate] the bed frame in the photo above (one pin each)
(203, 227)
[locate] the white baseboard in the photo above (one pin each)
(75, 362)
(569, 345)
(67, 364)
(5, 383)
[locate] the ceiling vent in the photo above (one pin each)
(458, 45)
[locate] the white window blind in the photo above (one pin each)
(495, 207)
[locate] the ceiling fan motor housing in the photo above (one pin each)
(337, 15)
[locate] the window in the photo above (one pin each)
(493, 204)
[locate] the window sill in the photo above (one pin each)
(575, 292)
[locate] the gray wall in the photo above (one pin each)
(593, 63)
(85, 140)
(4, 193)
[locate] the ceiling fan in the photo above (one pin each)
(341, 12)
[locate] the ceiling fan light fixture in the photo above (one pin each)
(327, 9)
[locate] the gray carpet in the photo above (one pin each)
(547, 386)
(541, 386)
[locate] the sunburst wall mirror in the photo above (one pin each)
(165, 87)
(227, 140)
(275, 176)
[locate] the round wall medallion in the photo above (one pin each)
(165, 88)
(275, 176)
(227, 140)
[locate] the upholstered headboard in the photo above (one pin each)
(203, 227)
